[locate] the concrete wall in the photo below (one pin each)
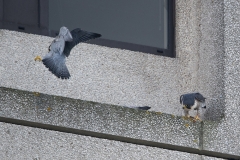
(100, 74)
(207, 47)
(40, 144)
(103, 121)
(127, 78)
(224, 136)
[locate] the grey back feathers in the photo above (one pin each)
(189, 99)
(61, 47)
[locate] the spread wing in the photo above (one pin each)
(78, 36)
(56, 64)
(55, 60)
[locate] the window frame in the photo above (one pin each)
(43, 24)
(169, 52)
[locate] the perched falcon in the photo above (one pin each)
(61, 47)
(192, 101)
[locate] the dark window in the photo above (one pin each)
(139, 25)
(29, 16)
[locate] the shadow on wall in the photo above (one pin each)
(215, 109)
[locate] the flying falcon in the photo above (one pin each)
(61, 47)
(192, 101)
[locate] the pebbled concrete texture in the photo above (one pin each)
(100, 74)
(21, 142)
(207, 47)
(123, 77)
(187, 43)
(224, 135)
(211, 49)
(99, 118)
(210, 158)
(126, 78)
(200, 50)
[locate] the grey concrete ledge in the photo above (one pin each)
(102, 120)
(99, 118)
(43, 144)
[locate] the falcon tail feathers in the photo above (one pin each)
(49, 63)
(144, 108)
(57, 67)
(63, 72)
(141, 108)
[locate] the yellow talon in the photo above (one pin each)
(185, 117)
(49, 109)
(38, 58)
(195, 140)
(197, 118)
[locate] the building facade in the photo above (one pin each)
(43, 117)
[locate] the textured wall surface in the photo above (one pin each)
(18, 142)
(110, 122)
(102, 119)
(122, 77)
(211, 57)
(208, 51)
(101, 74)
(200, 50)
(224, 136)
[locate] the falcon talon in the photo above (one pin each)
(38, 58)
(186, 117)
(197, 118)
(192, 101)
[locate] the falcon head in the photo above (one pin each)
(65, 33)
